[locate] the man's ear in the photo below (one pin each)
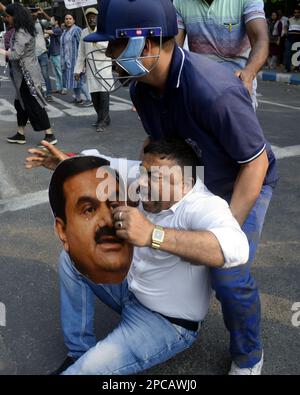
(60, 228)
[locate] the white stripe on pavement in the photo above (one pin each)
(7, 188)
(24, 201)
(121, 99)
(279, 104)
(286, 152)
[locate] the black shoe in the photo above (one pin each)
(87, 103)
(18, 138)
(50, 138)
(49, 99)
(75, 101)
(64, 366)
(101, 128)
(95, 124)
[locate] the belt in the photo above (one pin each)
(189, 325)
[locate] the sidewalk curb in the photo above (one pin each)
(279, 77)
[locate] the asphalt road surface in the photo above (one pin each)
(30, 338)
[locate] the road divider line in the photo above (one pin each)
(7, 187)
(24, 201)
(286, 152)
(279, 104)
(121, 99)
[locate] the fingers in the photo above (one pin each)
(121, 209)
(32, 162)
(54, 151)
(38, 152)
(122, 234)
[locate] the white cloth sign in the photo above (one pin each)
(71, 4)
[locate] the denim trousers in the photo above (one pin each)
(141, 340)
(55, 60)
(83, 88)
(238, 294)
(43, 61)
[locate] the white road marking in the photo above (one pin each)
(286, 152)
(2, 314)
(121, 99)
(7, 188)
(279, 104)
(24, 201)
(7, 111)
(77, 111)
(53, 112)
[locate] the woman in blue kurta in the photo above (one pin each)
(69, 51)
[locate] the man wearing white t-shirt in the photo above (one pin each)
(165, 296)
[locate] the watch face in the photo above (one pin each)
(158, 235)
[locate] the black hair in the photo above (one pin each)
(69, 13)
(65, 170)
(175, 149)
(164, 40)
(22, 18)
(57, 18)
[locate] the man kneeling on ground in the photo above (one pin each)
(165, 295)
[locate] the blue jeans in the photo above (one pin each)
(83, 88)
(43, 61)
(142, 339)
(55, 60)
(237, 291)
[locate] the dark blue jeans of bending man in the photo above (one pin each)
(237, 291)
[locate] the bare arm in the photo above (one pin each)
(180, 38)
(198, 247)
(201, 248)
(49, 32)
(257, 32)
(44, 13)
(2, 8)
(248, 186)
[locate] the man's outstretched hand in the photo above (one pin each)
(48, 158)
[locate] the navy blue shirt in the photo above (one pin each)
(205, 104)
(54, 48)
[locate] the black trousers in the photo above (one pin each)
(36, 114)
(101, 106)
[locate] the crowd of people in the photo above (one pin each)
(284, 32)
(155, 262)
(30, 46)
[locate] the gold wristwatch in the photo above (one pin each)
(158, 236)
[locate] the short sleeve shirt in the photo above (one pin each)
(219, 30)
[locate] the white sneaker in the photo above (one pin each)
(254, 371)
